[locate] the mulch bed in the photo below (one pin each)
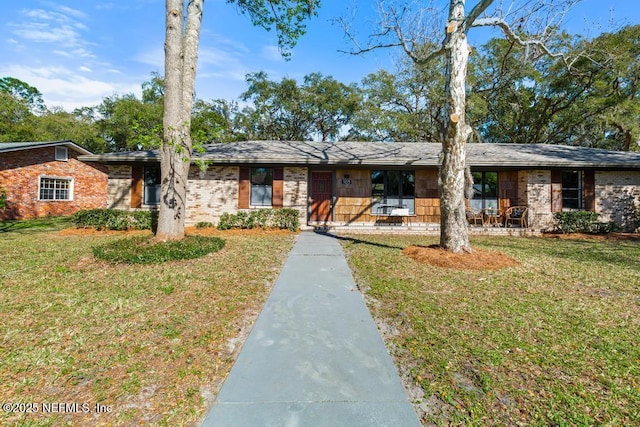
(478, 259)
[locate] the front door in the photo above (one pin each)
(321, 193)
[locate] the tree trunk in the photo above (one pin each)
(181, 55)
(454, 234)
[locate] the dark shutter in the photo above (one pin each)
(278, 188)
(556, 191)
(589, 190)
(137, 173)
(244, 188)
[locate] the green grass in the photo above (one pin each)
(35, 225)
(150, 341)
(144, 250)
(554, 341)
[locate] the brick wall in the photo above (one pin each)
(296, 191)
(618, 197)
(211, 193)
(119, 188)
(20, 173)
(534, 191)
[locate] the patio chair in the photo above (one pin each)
(516, 215)
(474, 217)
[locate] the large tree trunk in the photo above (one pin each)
(181, 55)
(454, 234)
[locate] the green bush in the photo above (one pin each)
(111, 219)
(3, 198)
(579, 222)
(204, 224)
(144, 250)
(286, 219)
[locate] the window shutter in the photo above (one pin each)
(136, 186)
(556, 191)
(589, 190)
(244, 188)
(278, 188)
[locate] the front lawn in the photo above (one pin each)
(151, 344)
(552, 341)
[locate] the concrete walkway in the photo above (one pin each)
(314, 356)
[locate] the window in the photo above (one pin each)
(571, 190)
(392, 189)
(55, 188)
(485, 191)
(261, 186)
(152, 186)
(62, 154)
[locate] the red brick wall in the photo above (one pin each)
(20, 173)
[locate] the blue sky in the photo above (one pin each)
(76, 52)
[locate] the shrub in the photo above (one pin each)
(204, 224)
(111, 219)
(3, 198)
(286, 219)
(576, 222)
(144, 250)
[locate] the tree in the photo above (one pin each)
(409, 30)
(286, 111)
(401, 106)
(181, 55)
(22, 90)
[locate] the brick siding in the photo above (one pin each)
(20, 173)
(618, 197)
(119, 189)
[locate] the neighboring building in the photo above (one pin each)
(358, 183)
(46, 178)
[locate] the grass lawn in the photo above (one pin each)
(149, 343)
(552, 341)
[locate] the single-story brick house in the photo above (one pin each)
(46, 178)
(356, 183)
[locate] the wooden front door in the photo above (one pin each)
(321, 194)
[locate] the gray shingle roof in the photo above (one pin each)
(17, 146)
(394, 154)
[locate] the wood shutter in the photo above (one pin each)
(589, 190)
(277, 196)
(244, 188)
(556, 191)
(137, 178)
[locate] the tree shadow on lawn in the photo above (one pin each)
(357, 241)
(35, 225)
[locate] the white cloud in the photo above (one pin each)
(272, 53)
(61, 87)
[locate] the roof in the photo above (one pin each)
(17, 146)
(392, 154)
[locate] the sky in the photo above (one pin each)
(77, 52)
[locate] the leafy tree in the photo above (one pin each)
(22, 90)
(181, 54)
(278, 112)
(401, 106)
(329, 104)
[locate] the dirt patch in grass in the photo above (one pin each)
(479, 259)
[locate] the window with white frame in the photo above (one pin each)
(51, 188)
(62, 154)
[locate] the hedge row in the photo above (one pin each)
(111, 219)
(581, 222)
(286, 219)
